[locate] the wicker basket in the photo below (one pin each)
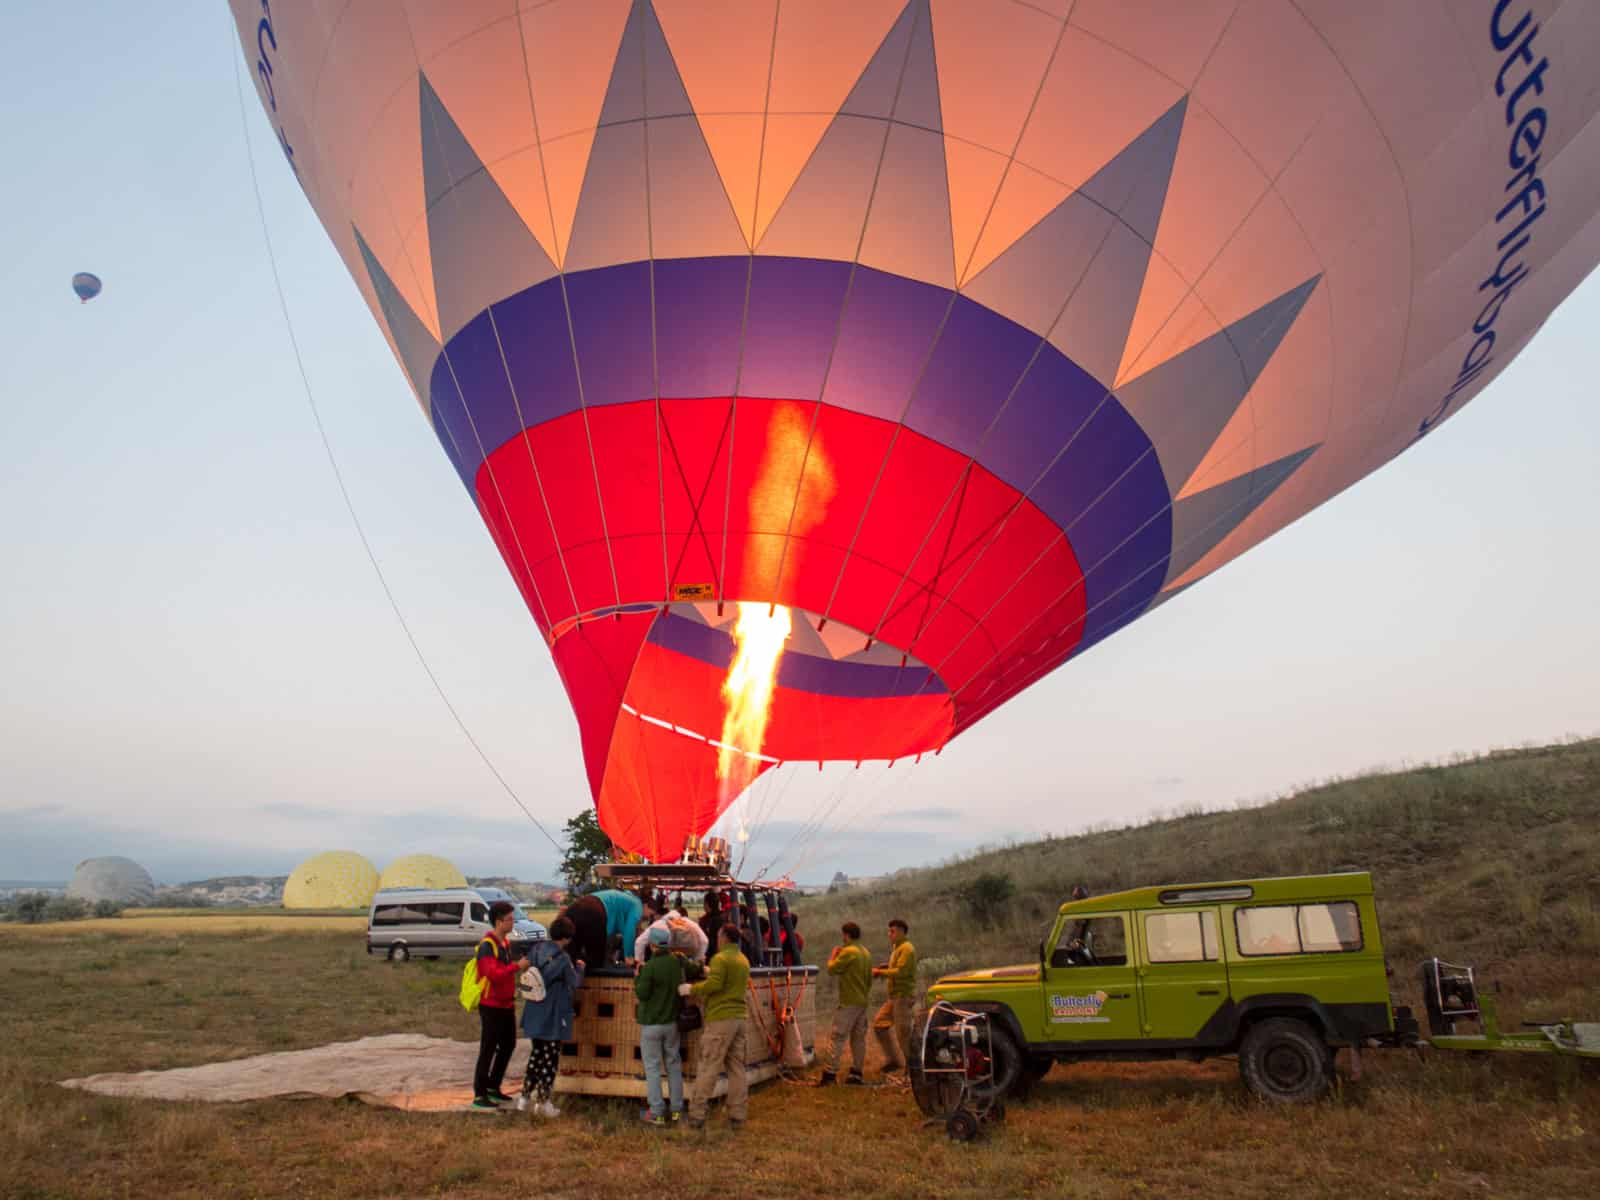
(603, 1057)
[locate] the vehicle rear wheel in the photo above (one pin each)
(398, 954)
(1038, 1066)
(1285, 1061)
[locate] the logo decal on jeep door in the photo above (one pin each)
(1078, 1010)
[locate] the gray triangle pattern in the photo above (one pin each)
(874, 93)
(1077, 274)
(891, 181)
(482, 252)
(418, 349)
(1201, 521)
(626, 213)
(1184, 404)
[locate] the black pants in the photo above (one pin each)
(496, 1041)
(588, 917)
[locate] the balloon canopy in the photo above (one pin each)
(967, 330)
(86, 286)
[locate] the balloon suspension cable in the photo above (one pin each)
(338, 475)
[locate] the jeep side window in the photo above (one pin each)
(1091, 942)
(1299, 929)
(1181, 937)
(1330, 928)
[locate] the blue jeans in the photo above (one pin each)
(658, 1043)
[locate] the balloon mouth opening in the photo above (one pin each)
(813, 689)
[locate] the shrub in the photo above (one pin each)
(988, 897)
(65, 908)
(30, 908)
(107, 908)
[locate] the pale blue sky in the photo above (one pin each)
(200, 670)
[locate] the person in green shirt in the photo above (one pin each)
(656, 986)
(892, 1024)
(722, 1041)
(851, 965)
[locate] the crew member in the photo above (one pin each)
(851, 965)
(892, 1024)
(722, 1043)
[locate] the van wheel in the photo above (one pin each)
(398, 954)
(1285, 1061)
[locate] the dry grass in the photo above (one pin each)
(189, 923)
(1497, 1126)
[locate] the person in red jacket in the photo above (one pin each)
(497, 1011)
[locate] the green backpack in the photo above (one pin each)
(473, 985)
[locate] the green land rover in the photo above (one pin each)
(1281, 972)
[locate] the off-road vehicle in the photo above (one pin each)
(1281, 972)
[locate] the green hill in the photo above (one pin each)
(1492, 861)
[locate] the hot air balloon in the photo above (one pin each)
(86, 286)
(828, 373)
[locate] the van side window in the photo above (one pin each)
(444, 914)
(480, 913)
(1091, 942)
(1181, 937)
(386, 914)
(1299, 929)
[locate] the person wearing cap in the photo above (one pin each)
(656, 986)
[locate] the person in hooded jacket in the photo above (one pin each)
(548, 1022)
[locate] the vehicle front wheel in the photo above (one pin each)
(1011, 1077)
(398, 954)
(1038, 1066)
(1285, 1061)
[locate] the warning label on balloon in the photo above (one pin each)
(693, 591)
(1078, 1010)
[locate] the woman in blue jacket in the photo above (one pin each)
(548, 1021)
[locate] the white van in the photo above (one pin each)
(435, 923)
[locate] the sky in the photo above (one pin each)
(201, 670)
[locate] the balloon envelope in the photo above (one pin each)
(969, 330)
(86, 286)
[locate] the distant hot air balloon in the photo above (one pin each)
(86, 286)
(943, 338)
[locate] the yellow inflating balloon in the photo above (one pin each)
(334, 879)
(422, 870)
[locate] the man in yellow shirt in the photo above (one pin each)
(851, 965)
(722, 1042)
(892, 1024)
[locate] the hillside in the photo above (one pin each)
(1493, 861)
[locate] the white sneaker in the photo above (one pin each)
(521, 1105)
(548, 1110)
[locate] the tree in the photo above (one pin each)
(587, 847)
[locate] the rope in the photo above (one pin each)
(338, 475)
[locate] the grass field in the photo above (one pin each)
(1505, 876)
